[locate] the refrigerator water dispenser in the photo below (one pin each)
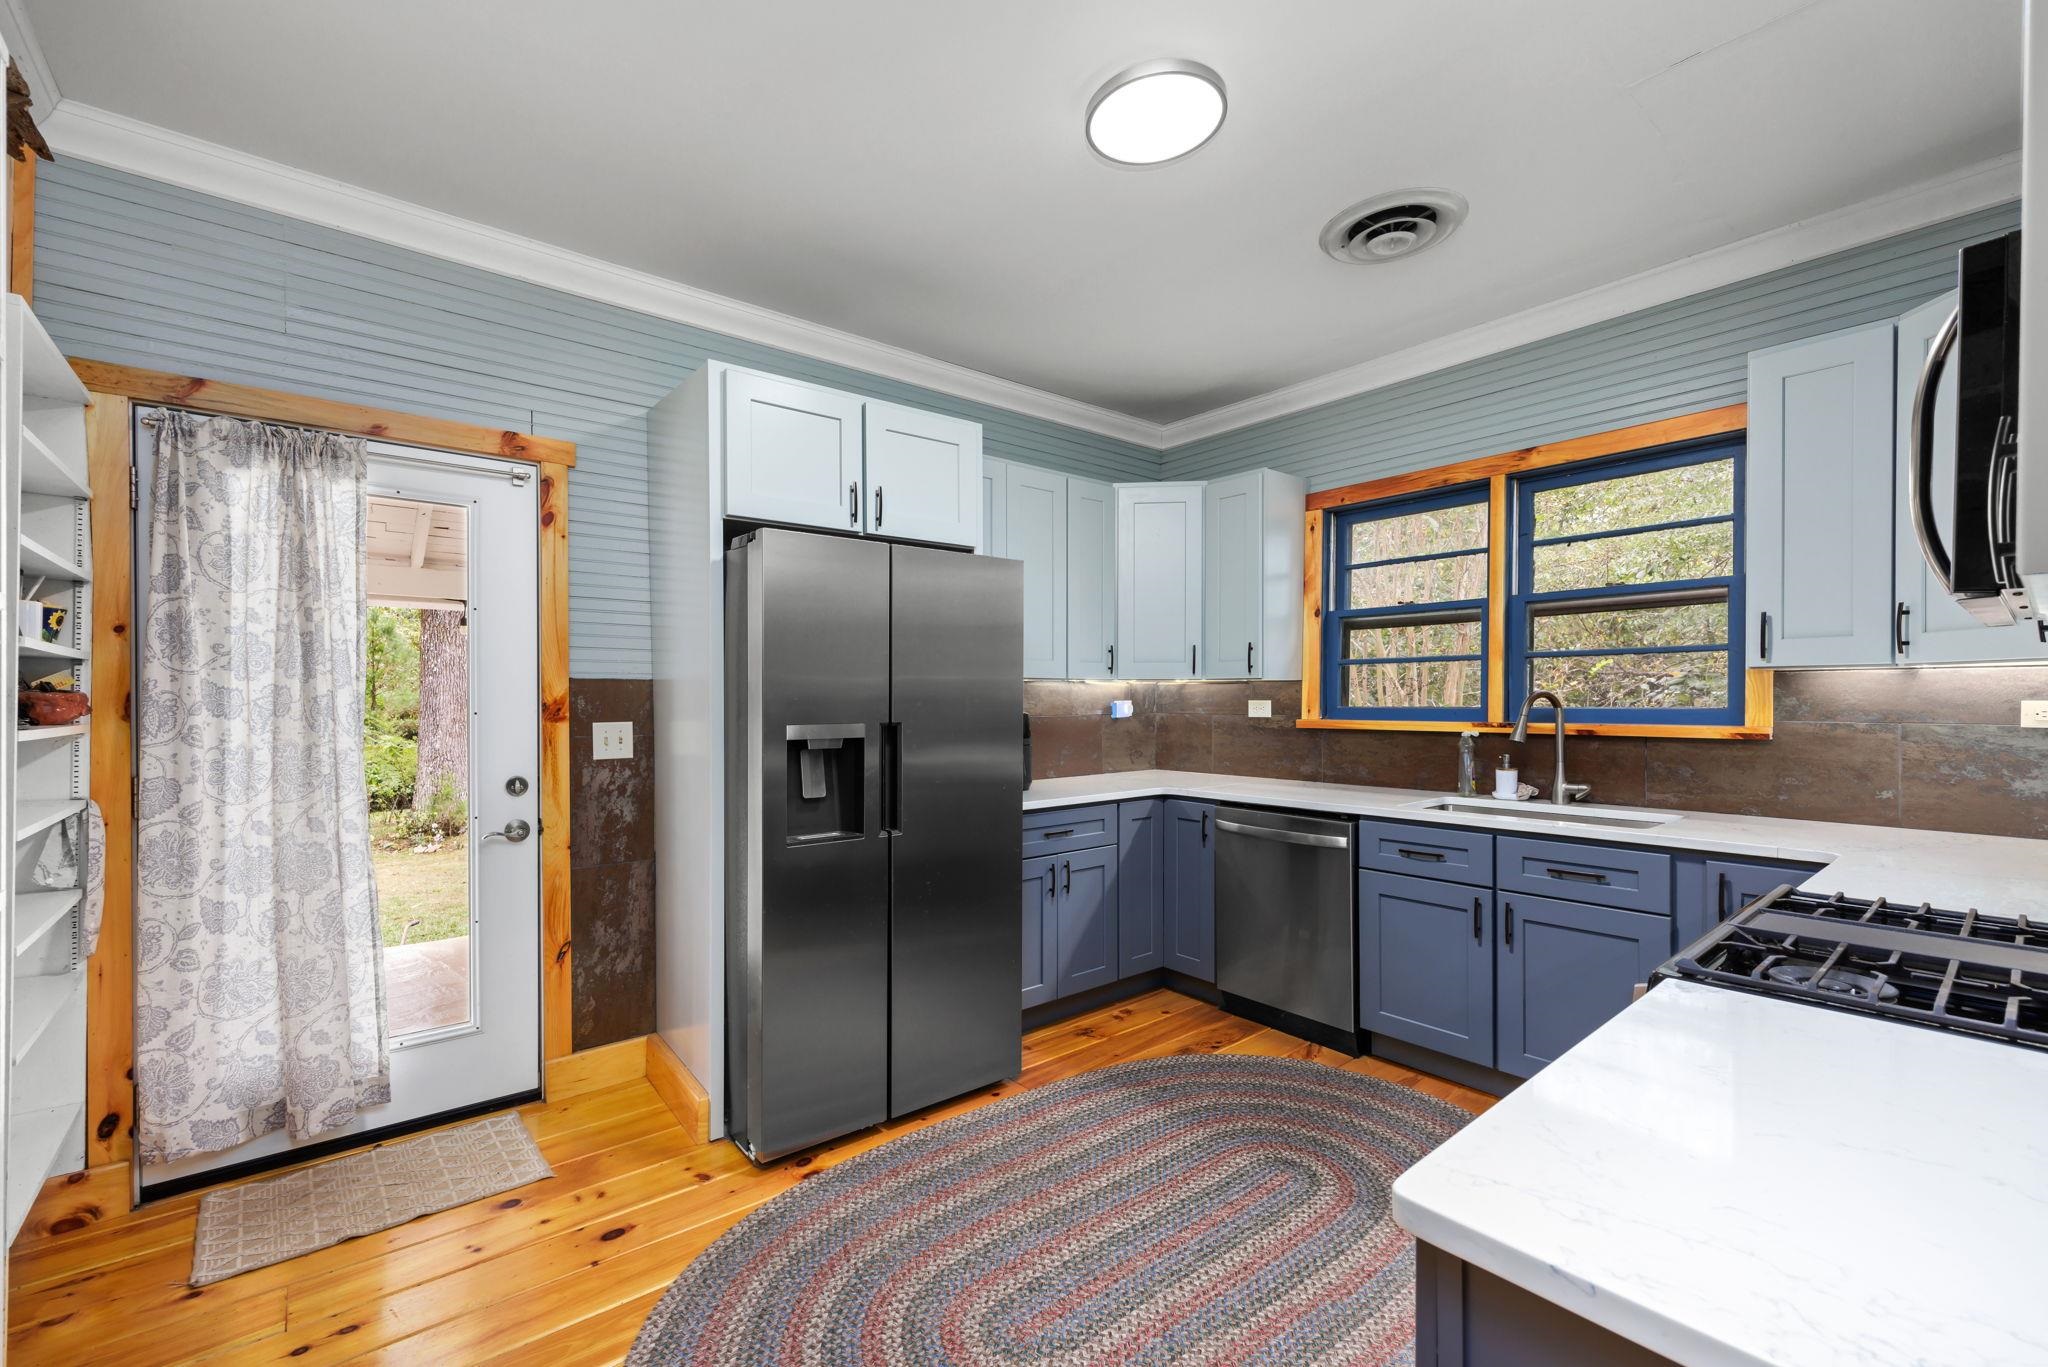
(823, 778)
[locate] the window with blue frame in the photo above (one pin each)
(1626, 598)
(1405, 619)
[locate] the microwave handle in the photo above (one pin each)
(1920, 454)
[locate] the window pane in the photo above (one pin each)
(1368, 641)
(1449, 580)
(1682, 624)
(1434, 683)
(1643, 558)
(1696, 679)
(1674, 495)
(1462, 528)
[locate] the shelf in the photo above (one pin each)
(45, 374)
(38, 559)
(31, 816)
(38, 1001)
(43, 650)
(29, 735)
(35, 1141)
(36, 914)
(43, 473)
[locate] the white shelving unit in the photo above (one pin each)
(42, 451)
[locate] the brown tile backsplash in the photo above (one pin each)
(1934, 748)
(611, 859)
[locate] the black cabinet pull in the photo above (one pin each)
(1764, 627)
(853, 505)
(1247, 657)
(1056, 835)
(1508, 926)
(1720, 897)
(878, 505)
(1577, 875)
(1052, 885)
(1427, 856)
(1070, 877)
(1194, 654)
(1112, 659)
(1899, 631)
(1477, 903)
(1205, 828)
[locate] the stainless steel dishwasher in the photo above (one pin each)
(1286, 933)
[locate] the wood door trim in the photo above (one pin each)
(273, 405)
(110, 456)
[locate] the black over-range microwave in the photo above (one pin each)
(1979, 562)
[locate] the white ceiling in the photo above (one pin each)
(913, 171)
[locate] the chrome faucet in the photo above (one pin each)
(1561, 793)
(1468, 764)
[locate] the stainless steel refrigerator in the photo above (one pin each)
(873, 832)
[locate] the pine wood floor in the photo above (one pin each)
(561, 1272)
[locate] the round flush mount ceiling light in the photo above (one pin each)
(1155, 112)
(1389, 227)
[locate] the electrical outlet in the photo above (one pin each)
(1259, 707)
(611, 740)
(2034, 712)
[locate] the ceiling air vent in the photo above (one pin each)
(1390, 227)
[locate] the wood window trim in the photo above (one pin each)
(110, 980)
(1496, 471)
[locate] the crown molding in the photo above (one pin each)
(125, 144)
(1976, 187)
(143, 149)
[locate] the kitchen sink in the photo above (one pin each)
(1547, 813)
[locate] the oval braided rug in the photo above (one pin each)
(1194, 1209)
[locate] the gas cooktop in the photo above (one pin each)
(1983, 975)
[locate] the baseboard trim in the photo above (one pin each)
(678, 1086)
(590, 1070)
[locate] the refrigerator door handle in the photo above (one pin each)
(892, 778)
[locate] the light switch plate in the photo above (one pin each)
(1259, 707)
(611, 740)
(2034, 712)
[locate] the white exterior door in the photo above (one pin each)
(792, 453)
(923, 476)
(1159, 581)
(464, 1009)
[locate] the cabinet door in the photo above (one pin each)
(1425, 964)
(1141, 932)
(792, 452)
(923, 475)
(1563, 970)
(1035, 514)
(1732, 885)
(1818, 531)
(1087, 919)
(1188, 888)
(1159, 581)
(995, 498)
(1231, 576)
(1931, 628)
(1091, 579)
(1041, 930)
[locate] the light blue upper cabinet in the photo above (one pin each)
(792, 452)
(1091, 579)
(1035, 532)
(1251, 576)
(1932, 629)
(995, 500)
(1819, 529)
(923, 476)
(1159, 581)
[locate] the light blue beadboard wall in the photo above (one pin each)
(137, 272)
(1676, 358)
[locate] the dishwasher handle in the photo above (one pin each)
(1332, 842)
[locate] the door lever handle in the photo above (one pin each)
(514, 832)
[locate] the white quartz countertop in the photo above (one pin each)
(1998, 875)
(1731, 1179)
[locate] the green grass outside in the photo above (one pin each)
(430, 886)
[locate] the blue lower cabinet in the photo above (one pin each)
(1188, 888)
(1564, 969)
(1141, 929)
(1425, 963)
(1732, 885)
(1041, 932)
(1087, 931)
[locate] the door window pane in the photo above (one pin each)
(1428, 683)
(1686, 679)
(1678, 494)
(1675, 553)
(416, 711)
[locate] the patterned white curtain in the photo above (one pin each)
(259, 973)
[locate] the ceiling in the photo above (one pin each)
(417, 553)
(913, 171)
